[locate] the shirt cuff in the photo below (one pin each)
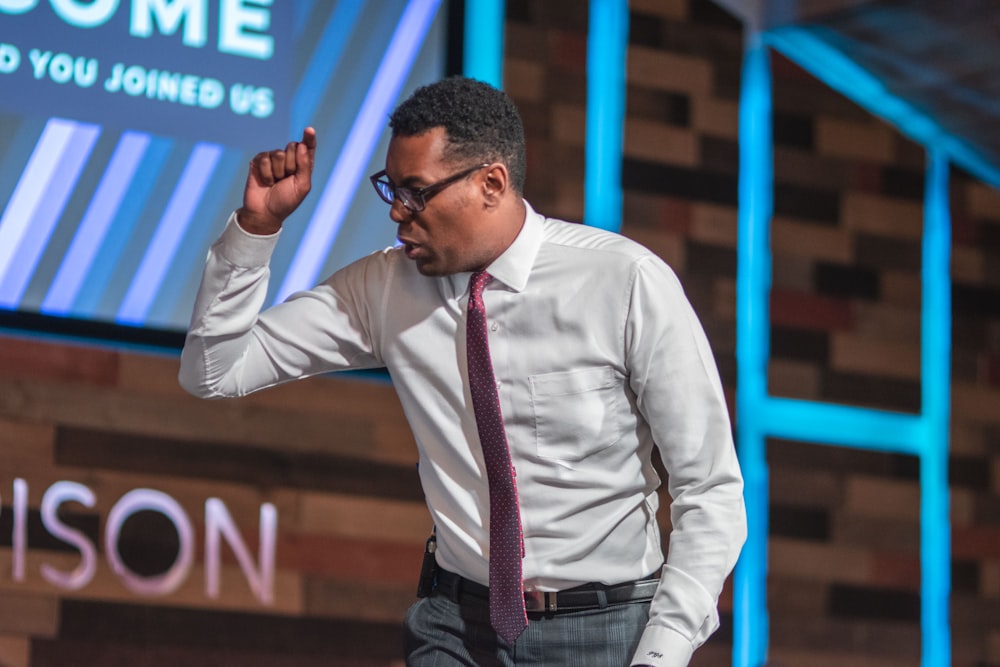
(241, 248)
(662, 647)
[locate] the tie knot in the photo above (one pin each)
(477, 282)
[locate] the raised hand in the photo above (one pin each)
(277, 183)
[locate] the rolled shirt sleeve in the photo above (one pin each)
(232, 348)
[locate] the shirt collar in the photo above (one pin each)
(514, 265)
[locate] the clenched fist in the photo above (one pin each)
(278, 182)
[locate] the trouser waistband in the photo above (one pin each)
(588, 596)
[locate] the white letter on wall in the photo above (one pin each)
(155, 501)
(56, 495)
(19, 536)
(218, 521)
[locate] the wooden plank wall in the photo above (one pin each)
(333, 455)
(336, 459)
(844, 554)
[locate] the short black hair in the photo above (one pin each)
(481, 121)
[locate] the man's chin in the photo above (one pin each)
(428, 268)
(433, 267)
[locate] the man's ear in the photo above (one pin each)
(496, 183)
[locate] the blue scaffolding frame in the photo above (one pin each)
(923, 435)
(760, 415)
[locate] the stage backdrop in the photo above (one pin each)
(126, 130)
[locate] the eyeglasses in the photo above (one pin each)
(415, 199)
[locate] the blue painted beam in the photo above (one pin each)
(482, 52)
(807, 48)
(758, 415)
(842, 425)
(607, 47)
(935, 367)
(753, 282)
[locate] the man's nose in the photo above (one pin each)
(398, 212)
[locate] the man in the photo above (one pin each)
(535, 420)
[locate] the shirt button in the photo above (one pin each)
(494, 327)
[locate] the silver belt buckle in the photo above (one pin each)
(540, 601)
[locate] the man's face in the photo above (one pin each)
(448, 236)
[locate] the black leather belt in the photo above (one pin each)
(587, 596)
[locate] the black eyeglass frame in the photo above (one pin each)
(415, 199)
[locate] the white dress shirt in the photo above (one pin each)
(598, 357)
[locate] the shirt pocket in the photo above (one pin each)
(576, 412)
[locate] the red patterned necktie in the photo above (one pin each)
(507, 613)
